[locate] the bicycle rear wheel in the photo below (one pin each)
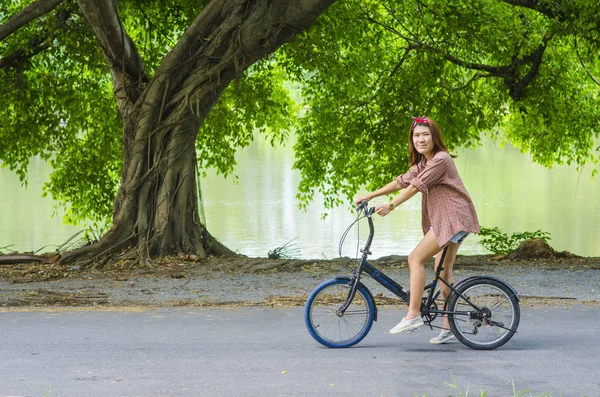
(333, 329)
(494, 321)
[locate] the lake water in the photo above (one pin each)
(259, 212)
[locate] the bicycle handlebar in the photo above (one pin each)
(368, 212)
(364, 206)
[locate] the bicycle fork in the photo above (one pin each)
(355, 280)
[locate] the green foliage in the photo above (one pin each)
(366, 67)
(258, 102)
(155, 27)
(286, 251)
(500, 243)
(92, 234)
(363, 69)
(59, 104)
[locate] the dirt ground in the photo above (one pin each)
(180, 267)
(239, 280)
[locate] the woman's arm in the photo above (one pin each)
(401, 182)
(391, 187)
(405, 194)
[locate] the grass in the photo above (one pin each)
(456, 392)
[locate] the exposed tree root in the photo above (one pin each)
(135, 253)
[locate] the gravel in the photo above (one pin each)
(217, 288)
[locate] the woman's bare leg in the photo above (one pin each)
(446, 273)
(426, 248)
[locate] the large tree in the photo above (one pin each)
(162, 102)
(131, 100)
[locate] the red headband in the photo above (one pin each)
(419, 120)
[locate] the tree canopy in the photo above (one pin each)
(522, 71)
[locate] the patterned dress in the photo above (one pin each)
(446, 206)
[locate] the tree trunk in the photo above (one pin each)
(156, 209)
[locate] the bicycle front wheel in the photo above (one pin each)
(486, 313)
(327, 325)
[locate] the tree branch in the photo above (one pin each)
(26, 15)
(389, 28)
(227, 37)
(402, 25)
(517, 89)
(591, 76)
(499, 71)
(532, 5)
(415, 44)
(376, 87)
(19, 56)
(509, 72)
(476, 76)
(125, 64)
(37, 44)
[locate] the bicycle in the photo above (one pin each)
(483, 311)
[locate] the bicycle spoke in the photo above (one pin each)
(337, 328)
(355, 312)
(498, 304)
(491, 325)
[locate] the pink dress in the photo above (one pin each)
(446, 206)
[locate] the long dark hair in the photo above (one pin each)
(436, 134)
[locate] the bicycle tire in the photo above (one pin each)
(496, 322)
(333, 330)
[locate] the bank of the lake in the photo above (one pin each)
(261, 281)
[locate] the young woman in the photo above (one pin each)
(448, 214)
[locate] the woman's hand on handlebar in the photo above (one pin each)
(383, 209)
(360, 199)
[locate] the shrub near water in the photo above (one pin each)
(499, 243)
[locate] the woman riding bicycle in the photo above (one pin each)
(448, 214)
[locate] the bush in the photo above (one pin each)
(500, 243)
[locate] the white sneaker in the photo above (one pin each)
(407, 325)
(444, 336)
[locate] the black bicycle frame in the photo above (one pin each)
(388, 283)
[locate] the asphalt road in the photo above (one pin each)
(257, 351)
